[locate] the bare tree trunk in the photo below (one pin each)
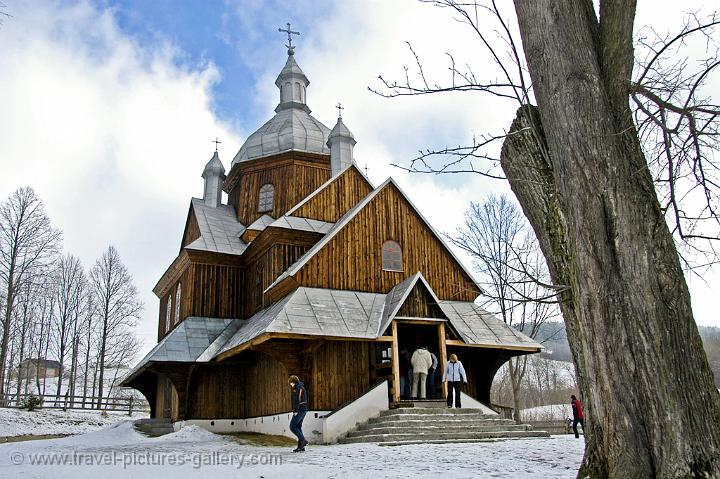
(638, 356)
(515, 381)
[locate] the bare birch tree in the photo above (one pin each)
(116, 302)
(514, 276)
(28, 242)
(70, 281)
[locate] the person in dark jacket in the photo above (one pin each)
(300, 408)
(578, 417)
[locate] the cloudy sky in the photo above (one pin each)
(108, 108)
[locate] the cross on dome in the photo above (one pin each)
(340, 109)
(290, 47)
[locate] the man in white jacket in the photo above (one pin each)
(421, 362)
(455, 376)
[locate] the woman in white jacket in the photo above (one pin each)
(455, 376)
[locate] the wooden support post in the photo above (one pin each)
(443, 355)
(395, 363)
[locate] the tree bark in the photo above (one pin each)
(582, 180)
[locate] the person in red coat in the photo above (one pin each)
(578, 417)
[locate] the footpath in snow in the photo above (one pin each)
(118, 451)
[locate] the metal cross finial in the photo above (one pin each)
(289, 33)
(340, 109)
(217, 142)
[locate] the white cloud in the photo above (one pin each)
(111, 133)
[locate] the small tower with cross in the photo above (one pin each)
(214, 176)
(292, 81)
(341, 143)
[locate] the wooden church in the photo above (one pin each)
(311, 270)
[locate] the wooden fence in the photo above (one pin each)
(50, 401)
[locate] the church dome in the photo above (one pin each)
(292, 127)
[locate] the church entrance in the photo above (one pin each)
(411, 336)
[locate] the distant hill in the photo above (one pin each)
(552, 335)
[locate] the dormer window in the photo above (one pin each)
(391, 256)
(266, 198)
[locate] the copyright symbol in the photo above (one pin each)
(17, 458)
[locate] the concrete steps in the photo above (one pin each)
(420, 423)
(154, 427)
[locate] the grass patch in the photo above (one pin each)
(257, 439)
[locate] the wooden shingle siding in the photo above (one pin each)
(352, 259)
(337, 198)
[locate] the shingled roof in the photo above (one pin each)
(219, 229)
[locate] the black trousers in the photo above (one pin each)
(577, 421)
(454, 386)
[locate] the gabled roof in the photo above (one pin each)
(477, 326)
(397, 296)
(219, 229)
(185, 343)
(346, 218)
(315, 312)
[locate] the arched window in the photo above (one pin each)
(178, 295)
(168, 311)
(391, 256)
(286, 92)
(298, 95)
(266, 198)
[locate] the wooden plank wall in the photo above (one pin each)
(266, 268)
(258, 388)
(163, 384)
(293, 181)
(192, 229)
(420, 304)
(340, 372)
(352, 260)
(267, 389)
(212, 291)
(217, 392)
(337, 198)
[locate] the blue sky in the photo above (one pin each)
(109, 109)
(238, 37)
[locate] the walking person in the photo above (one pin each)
(300, 408)
(421, 363)
(455, 376)
(578, 417)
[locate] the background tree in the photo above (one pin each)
(28, 242)
(69, 289)
(514, 276)
(578, 166)
(117, 305)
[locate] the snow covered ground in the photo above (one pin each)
(118, 451)
(551, 412)
(17, 422)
